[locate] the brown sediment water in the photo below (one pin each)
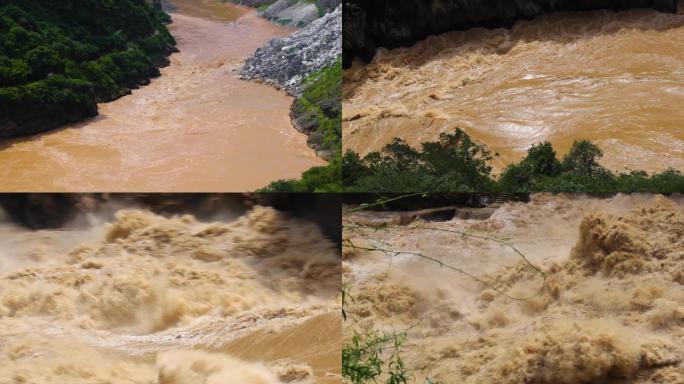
(195, 128)
(170, 300)
(613, 78)
(207, 9)
(609, 307)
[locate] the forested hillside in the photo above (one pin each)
(59, 58)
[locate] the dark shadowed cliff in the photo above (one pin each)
(369, 24)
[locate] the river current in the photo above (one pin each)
(196, 128)
(613, 78)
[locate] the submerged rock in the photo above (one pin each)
(369, 24)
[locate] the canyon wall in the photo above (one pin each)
(369, 24)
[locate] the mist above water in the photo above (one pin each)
(608, 307)
(151, 299)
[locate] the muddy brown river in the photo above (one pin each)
(146, 299)
(195, 128)
(613, 78)
(579, 323)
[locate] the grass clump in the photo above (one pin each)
(318, 113)
(363, 358)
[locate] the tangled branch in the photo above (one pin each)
(393, 253)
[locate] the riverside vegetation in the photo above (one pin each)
(455, 163)
(307, 65)
(59, 59)
(318, 111)
(508, 76)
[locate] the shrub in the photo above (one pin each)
(363, 360)
(317, 179)
(455, 164)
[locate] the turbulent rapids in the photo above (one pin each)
(607, 306)
(170, 300)
(613, 78)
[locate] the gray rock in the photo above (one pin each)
(279, 6)
(286, 62)
(328, 5)
(292, 12)
(252, 3)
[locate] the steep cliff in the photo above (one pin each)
(306, 64)
(369, 24)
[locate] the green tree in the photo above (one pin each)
(583, 159)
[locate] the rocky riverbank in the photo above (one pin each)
(304, 65)
(286, 62)
(387, 23)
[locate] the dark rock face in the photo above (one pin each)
(369, 24)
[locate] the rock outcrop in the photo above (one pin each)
(369, 24)
(285, 63)
(311, 53)
(292, 12)
(297, 13)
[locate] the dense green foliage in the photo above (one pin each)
(456, 164)
(453, 163)
(363, 358)
(327, 178)
(318, 112)
(59, 58)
